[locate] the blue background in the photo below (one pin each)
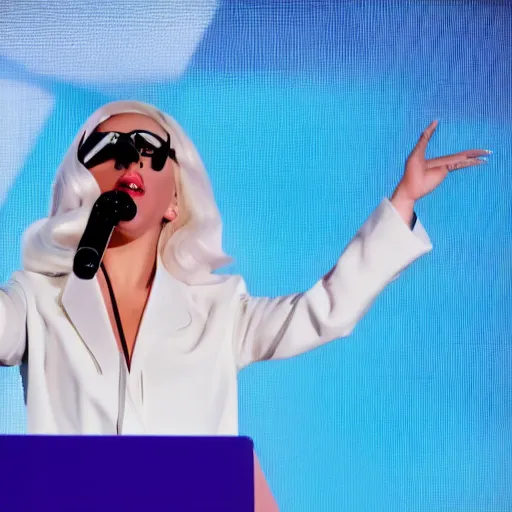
(304, 113)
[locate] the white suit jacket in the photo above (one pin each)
(191, 343)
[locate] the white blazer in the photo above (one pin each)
(191, 343)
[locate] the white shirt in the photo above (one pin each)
(192, 341)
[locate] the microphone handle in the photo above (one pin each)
(92, 246)
(110, 208)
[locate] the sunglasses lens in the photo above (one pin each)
(151, 145)
(124, 148)
(146, 140)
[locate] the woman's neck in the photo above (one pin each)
(131, 264)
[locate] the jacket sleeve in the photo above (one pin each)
(13, 314)
(290, 325)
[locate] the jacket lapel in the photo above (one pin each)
(83, 302)
(166, 314)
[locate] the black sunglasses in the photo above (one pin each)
(125, 148)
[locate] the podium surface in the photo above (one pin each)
(125, 473)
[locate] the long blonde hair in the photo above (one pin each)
(190, 247)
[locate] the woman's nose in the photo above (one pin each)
(136, 165)
(127, 155)
(130, 166)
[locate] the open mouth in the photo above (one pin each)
(131, 183)
(129, 186)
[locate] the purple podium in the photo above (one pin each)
(89, 473)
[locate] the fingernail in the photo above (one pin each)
(488, 151)
(483, 160)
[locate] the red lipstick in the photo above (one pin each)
(132, 183)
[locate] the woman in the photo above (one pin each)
(153, 344)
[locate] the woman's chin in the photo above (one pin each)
(133, 229)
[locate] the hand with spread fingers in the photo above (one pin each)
(422, 176)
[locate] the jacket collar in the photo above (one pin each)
(167, 312)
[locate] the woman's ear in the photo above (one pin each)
(171, 213)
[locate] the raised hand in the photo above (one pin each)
(422, 176)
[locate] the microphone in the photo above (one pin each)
(109, 209)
